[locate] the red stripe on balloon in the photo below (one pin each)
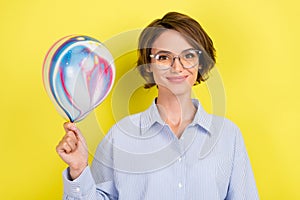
(64, 86)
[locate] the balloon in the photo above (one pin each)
(78, 74)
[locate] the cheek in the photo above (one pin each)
(157, 75)
(193, 77)
(158, 80)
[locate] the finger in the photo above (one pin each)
(67, 147)
(71, 140)
(63, 147)
(80, 136)
(77, 132)
(68, 126)
(71, 135)
(72, 127)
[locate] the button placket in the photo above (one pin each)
(77, 189)
(180, 185)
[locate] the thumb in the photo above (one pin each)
(69, 126)
(77, 131)
(78, 134)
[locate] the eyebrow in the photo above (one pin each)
(169, 52)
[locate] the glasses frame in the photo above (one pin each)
(173, 56)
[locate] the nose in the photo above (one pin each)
(177, 66)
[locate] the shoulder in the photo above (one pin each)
(222, 135)
(121, 133)
(212, 123)
(228, 125)
(135, 123)
(224, 127)
(216, 125)
(129, 125)
(130, 120)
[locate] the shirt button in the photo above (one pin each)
(180, 185)
(179, 159)
(77, 189)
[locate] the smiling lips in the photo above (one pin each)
(177, 79)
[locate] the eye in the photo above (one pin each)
(189, 55)
(162, 57)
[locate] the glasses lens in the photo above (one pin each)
(163, 60)
(189, 58)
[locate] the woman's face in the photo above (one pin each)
(177, 80)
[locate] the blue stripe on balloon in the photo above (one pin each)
(54, 60)
(63, 61)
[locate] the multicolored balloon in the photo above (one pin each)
(78, 74)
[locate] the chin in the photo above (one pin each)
(177, 90)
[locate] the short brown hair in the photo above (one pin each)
(190, 29)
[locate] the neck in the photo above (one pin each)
(175, 109)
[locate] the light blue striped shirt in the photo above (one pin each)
(141, 159)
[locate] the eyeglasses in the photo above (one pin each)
(188, 59)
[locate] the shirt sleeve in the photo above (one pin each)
(82, 188)
(242, 184)
(95, 182)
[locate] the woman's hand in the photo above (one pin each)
(73, 150)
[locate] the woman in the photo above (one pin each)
(174, 149)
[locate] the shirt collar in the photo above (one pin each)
(151, 116)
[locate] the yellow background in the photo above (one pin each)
(257, 46)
